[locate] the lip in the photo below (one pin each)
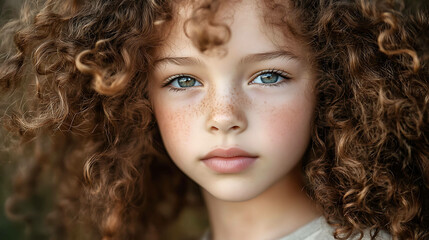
(228, 153)
(232, 160)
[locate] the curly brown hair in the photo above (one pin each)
(83, 67)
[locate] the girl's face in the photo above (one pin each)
(259, 98)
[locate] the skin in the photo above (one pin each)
(229, 107)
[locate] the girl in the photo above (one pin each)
(292, 119)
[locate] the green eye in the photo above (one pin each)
(183, 81)
(270, 77)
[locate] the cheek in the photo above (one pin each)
(287, 126)
(175, 126)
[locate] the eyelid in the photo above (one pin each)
(170, 79)
(282, 73)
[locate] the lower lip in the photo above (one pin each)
(229, 165)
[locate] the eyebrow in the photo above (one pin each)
(256, 57)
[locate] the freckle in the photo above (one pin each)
(180, 123)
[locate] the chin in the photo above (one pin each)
(231, 193)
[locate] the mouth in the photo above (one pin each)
(232, 160)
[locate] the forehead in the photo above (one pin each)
(246, 20)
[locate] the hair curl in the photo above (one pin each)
(371, 167)
(83, 67)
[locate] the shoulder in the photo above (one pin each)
(318, 229)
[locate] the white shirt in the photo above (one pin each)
(317, 229)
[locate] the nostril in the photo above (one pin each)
(213, 128)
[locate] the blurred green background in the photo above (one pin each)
(37, 205)
(9, 230)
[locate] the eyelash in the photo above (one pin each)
(281, 73)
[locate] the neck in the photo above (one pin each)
(280, 210)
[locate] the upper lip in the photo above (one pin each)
(227, 153)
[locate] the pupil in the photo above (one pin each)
(268, 78)
(186, 82)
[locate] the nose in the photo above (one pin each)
(226, 114)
